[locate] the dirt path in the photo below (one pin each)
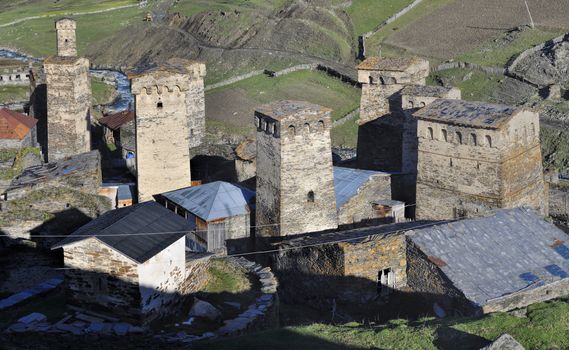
(66, 14)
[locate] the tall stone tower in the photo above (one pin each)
(170, 118)
(380, 134)
(66, 42)
(68, 97)
(295, 181)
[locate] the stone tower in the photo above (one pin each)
(295, 181)
(475, 157)
(380, 134)
(68, 97)
(170, 118)
(66, 42)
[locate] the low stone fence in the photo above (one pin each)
(471, 66)
(353, 114)
(310, 66)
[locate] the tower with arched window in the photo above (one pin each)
(295, 180)
(169, 118)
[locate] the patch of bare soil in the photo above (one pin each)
(231, 106)
(465, 24)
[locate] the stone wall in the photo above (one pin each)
(426, 281)
(465, 171)
(28, 141)
(97, 276)
(169, 120)
(359, 207)
(68, 107)
(295, 181)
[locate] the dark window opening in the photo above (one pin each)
(385, 281)
(159, 105)
(310, 197)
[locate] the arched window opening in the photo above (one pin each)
(411, 104)
(422, 104)
(320, 125)
(488, 141)
(371, 79)
(307, 127)
(310, 197)
(430, 133)
(159, 105)
(473, 139)
(459, 138)
(292, 130)
(444, 135)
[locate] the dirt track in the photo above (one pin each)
(464, 24)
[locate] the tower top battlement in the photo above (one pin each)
(174, 72)
(291, 111)
(66, 39)
(390, 71)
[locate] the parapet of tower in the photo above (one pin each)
(68, 97)
(295, 181)
(382, 78)
(66, 40)
(170, 118)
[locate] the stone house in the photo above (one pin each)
(219, 212)
(17, 130)
(474, 157)
(112, 124)
(506, 261)
(139, 277)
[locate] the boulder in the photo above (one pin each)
(204, 309)
(504, 342)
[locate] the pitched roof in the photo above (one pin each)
(214, 200)
(123, 230)
(347, 182)
(467, 113)
(289, 108)
(426, 91)
(394, 64)
(14, 125)
(116, 120)
(493, 256)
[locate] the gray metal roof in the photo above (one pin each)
(215, 200)
(125, 192)
(490, 257)
(121, 230)
(347, 182)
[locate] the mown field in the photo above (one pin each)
(230, 108)
(545, 327)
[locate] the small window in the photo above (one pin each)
(385, 281)
(422, 104)
(320, 125)
(274, 128)
(371, 80)
(450, 163)
(473, 139)
(411, 105)
(488, 141)
(444, 135)
(192, 132)
(258, 122)
(310, 197)
(292, 130)
(307, 127)
(430, 133)
(459, 138)
(159, 105)
(66, 40)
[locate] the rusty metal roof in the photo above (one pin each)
(116, 120)
(397, 64)
(288, 108)
(14, 125)
(467, 113)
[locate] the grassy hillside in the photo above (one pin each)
(368, 14)
(544, 328)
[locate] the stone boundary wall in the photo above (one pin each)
(467, 65)
(392, 18)
(337, 74)
(352, 115)
(510, 66)
(309, 66)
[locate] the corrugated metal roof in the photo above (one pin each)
(214, 200)
(489, 257)
(116, 228)
(14, 125)
(347, 182)
(116, 120)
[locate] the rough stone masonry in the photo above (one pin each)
(68, 97)
(170, 118)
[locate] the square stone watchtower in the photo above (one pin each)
(295, 180)
(382, 78)
(170, 118)
(68, 97)
(66, 41)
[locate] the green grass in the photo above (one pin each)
(346, 135)
(37, 37)
(544, 328)
(368, 14)
(192, 7)
(226, 278)
(311, 86)
(423, 9)
(18, 155)
(555, 148)
(475, 86)
(14, 93)
(102, 93)
(496, 53)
